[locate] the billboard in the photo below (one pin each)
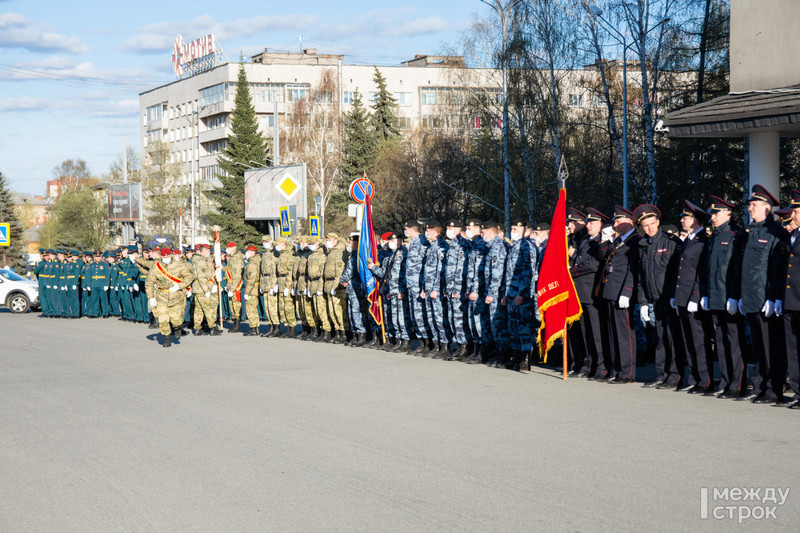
(125, 202)
(266, 190)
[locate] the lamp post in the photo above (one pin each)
(597, 14)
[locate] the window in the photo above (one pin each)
(215, 122)
(576, 100)
(404, 123)
(428, 96)
(268, 122)
(324, 98)
(348, 97)
(211, 172)
(215, 94)
(216, 147)
(403, 99)
(295, 93)
(598, 101)
(267, 92)
(153, 136)
(432, 121)
(154, 113)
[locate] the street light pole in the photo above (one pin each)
(597, 14)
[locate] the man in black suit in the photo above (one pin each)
(659, 257)
(616, 290)
(584, 265)
(690, 285)
(789, 303)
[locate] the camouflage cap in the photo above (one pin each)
(281, 240)
(332, 235)
(266, 238)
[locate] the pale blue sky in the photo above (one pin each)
(71, 72)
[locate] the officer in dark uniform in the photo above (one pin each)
(584, 266)
(724, 270)
(690, 285)
(764, 255)
(576, 234)
(789, 303)
(617, 289)
(659, 255)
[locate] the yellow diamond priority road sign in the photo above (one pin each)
(287, 186)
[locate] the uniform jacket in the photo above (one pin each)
(284, 267)
(268, 271)
(414, 262)
(158, 284)
(203, 273)
(494, 267)
(789, 289)
(314, 270)
(764, 254)
(335, 262)
(434, 266)
(455, 270)
(521, 271)
(234, 270)
(725, 247)
(659, 258)
(351, 277)
(252, 275)
(620, 268)
(476, 264)
(584, 266)
(690, 282)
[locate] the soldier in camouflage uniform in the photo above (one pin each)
(335, 297)
(205, 292)
(433, 270)
(233, 273)
(351, 281)
(492, 341)
(165, 287)
(284, 267)
(314, 271)
(520, 295)
(455, 275)
(269, 287)
(414, 261)
(302, 300)
(394, 291)
(144, 264)
(475, 289)
(252, 274)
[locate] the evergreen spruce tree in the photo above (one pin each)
(13, 255)
(384, 120)
(245, 144)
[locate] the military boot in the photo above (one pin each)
(177, 332)
(199, 332)
(427, 348)
(275, 331)
(216, 331)
(252, 332)
(359, 339)
(442, 351)
(459, 354)
(153, 324)
(375, 342)
(167, 341)
(235, 328)
(403, 346)
(418, 350)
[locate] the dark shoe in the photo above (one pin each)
(235, 328)
(427, 348)
(216, 331)
(666, 385)
(153, 325)
(402, 347)
(459, 354)
(600, 376)
(358, 340)
(200, 332)
(651, 384)
(766, 398)
(794, 404)
(727, 395)
(252, 332)
(620, 381)
(177, 332)
(167, 341)
(684, 388)
(697, 389)
(573, 373)
(747, 397)
(474, 359)
(289, 333)
(442, 350)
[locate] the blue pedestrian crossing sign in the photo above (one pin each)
(286, 226)
(5, 234)
(313, 226)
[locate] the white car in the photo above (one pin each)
(17, 293)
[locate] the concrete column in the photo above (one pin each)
(765, 160)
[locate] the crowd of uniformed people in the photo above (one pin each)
(467, 292)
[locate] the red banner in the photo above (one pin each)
(559, 305)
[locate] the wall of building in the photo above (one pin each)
(764, 42)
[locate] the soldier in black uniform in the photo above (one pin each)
(690, 285)
(584, 265)
(725, 247)
(616, 289)
(789, 303)
(659, 255)
(576, 233)
(764, 255)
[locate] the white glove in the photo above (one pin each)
(286, 293)
(64, 288)
(130, 289)
(213, 290)
(230, 294)
(731, 306)
(74, 287)
(624, 302)
(740, 306)
(768, 308)
(333, 292)
(691, 307)
(188, 294)
(273, 292)
(644, 311)
(48, 286)
(293, 292)
(174, 288)
(319, 293)
(136, 288)
(153, 303)
(89, 289)
(246, 297)
(105, 287)
(605, 234)
(778, 307)
(672, 303)
(208, 295)
(275, 289)
(704, 303)
(308, 293)
(116, 287)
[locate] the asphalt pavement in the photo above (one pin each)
(102, 429)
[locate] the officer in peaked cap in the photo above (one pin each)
(789, 301)
(764, 254)
(493, 335)
(657, 274)
(721, 293)
(475, 289)
(616, 290)
(686, 299)
(576, 222)
(586, 340)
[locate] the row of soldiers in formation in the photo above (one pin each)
(698, 296)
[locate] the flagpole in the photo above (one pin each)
(564, 352)
(218, 273)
